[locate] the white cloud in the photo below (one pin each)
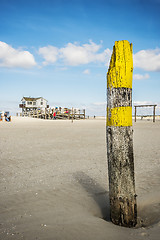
(10, 57)
(74, 54)
(104, 56)
(100, 103)
(49, 53)
(140, 76)
(148, 60)
(87, 71)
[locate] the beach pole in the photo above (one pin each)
(68, 113)
(154, 113)
(84, 113)
(135, 113)
(45, 114)
(123, 207)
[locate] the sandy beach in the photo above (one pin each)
(54, 181)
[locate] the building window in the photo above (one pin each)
(41, 103)
(29, 103)
(34, 103)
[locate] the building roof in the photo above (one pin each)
(32, 99)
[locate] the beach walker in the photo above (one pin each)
(4, 116)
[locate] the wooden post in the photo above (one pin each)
(135, 114)
(74, 115)
(154, 112)
(84, 113)
(68, 113)
(45, 114)
(123, 207)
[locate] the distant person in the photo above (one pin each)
(2, 115)
(7, 118)
(54, 115)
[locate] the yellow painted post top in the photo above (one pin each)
(121, 66)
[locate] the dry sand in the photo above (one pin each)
(54, 182)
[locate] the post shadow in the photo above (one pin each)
(98, 193)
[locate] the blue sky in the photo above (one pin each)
(60, 50)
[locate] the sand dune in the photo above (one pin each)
(54, 182)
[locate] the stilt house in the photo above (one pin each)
(29, 104)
